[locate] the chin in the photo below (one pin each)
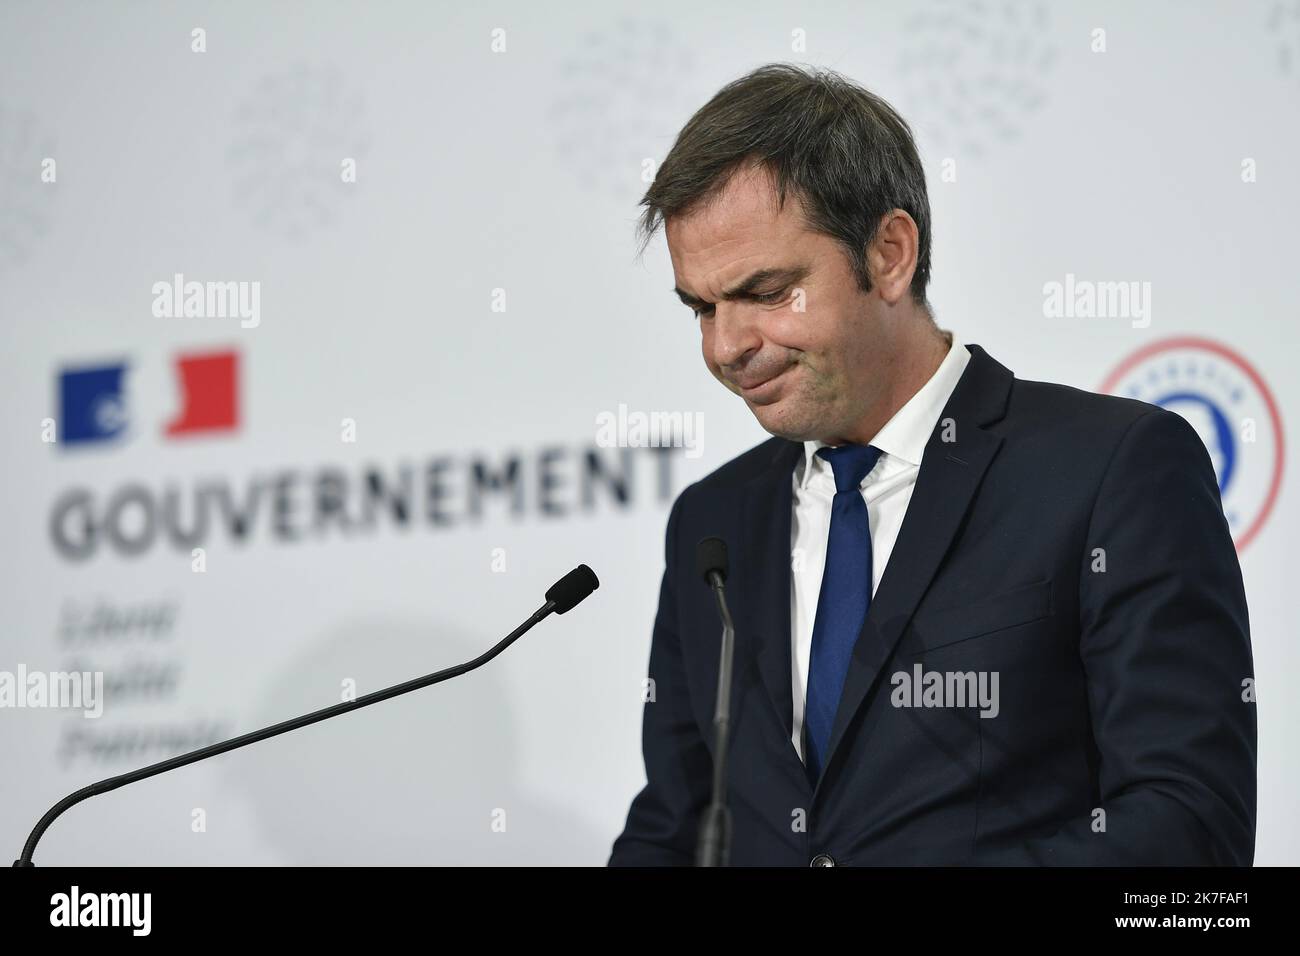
(783, 425)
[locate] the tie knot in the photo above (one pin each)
(851, 463)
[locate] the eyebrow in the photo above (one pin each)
(745, 289)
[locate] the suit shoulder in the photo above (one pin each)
(1070, 410)
(1054, 422)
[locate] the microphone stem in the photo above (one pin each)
(715, 829)
(722, 710)
(171, 763)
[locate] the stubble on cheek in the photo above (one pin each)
(804, 413)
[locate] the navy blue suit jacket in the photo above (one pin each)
(1073, 543)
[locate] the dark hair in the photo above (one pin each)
(845, 152)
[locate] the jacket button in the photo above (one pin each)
(822, 859)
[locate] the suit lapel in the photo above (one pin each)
(765, 601)
(946, 483)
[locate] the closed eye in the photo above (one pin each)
(767, 299)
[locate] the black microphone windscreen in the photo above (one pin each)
(573, 588)
(710, 556)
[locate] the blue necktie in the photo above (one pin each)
(844, 598)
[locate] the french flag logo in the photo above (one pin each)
(92, 406)
(95, 405)
(210, 397)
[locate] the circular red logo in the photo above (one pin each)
(1227, 402)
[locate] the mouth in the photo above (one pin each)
(763, 392)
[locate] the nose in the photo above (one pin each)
(735, 334)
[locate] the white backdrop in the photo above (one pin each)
(473, 298)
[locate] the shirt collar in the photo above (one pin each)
(905, 435)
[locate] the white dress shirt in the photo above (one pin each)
(887, 489)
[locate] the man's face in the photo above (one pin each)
(807, 350)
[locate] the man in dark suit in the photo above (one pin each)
(979, 620)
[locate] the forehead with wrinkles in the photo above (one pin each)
(737, 230)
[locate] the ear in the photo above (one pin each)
(891, 257)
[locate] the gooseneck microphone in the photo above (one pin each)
(713, 846)
(563, 596)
